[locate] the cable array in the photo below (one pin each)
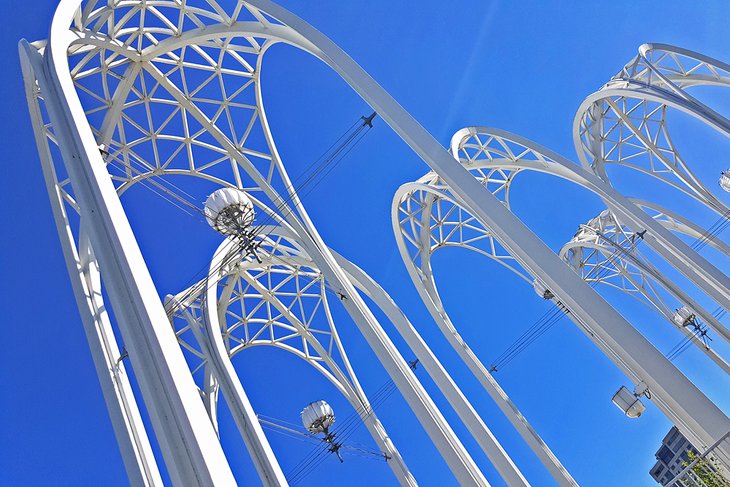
(554, 314)
(715, 229)
(291, 430)
(302, 186)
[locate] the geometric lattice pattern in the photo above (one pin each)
(605, 251)
(625, 122)
(281, 301)
(159, 105)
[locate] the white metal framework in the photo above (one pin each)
(429, 214)
(281, 301)
(128, 92)
(625, 122)
(171, 89)
(605, 251)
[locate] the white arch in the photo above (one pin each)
(189, 443)
(499, 150)
(303, 338)
(635, 101)
(207, 463)
(603, 243)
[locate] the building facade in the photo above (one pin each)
(671, 457)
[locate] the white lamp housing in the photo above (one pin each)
(725, 180)
(317, 416)
(229, 211)
(629, 403)
(542, 290)
(683, 316)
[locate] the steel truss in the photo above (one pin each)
(625, 122)
(281, 301)
(604, 251)
(170, 89)
(128, 91)
(429, 214)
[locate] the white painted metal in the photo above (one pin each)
(280, 247)
(207, 332)
(494, 155)
(83, 270)
(152, 52)
(466, 412)
(616, 243)
(476, 426)
(428, 218)
(238, 402)
(677, 223)
(188, 442)
(603, 251)
(672, 392)
(510, 153)
(454, 453)
(86, 44)
(624, 123)
(304, 325)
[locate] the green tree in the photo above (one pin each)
(708, 471)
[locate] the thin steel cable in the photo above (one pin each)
(551, 316)
(539, 329)
(346, 429)
(313, 169)
(322, 170)
(292, 430)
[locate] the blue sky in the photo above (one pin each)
(521, 66)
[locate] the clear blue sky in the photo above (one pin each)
(520, 66)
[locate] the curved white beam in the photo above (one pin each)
(638, 97)
(476, 426)
(685, 259)
(188, 442)
(256, 280)
(445, 383)
(619, 340)
(95, 197)
(83, 270)
(622, 260)
(422, 277)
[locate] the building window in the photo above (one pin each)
(665, 454)
(681, 445)
(673, 436)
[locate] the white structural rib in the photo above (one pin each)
(83, 270)
(603, 243)
(304, 325)
(625, 124)
(187, 437)
(239, 404)
(188, 442)
(611, 332)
